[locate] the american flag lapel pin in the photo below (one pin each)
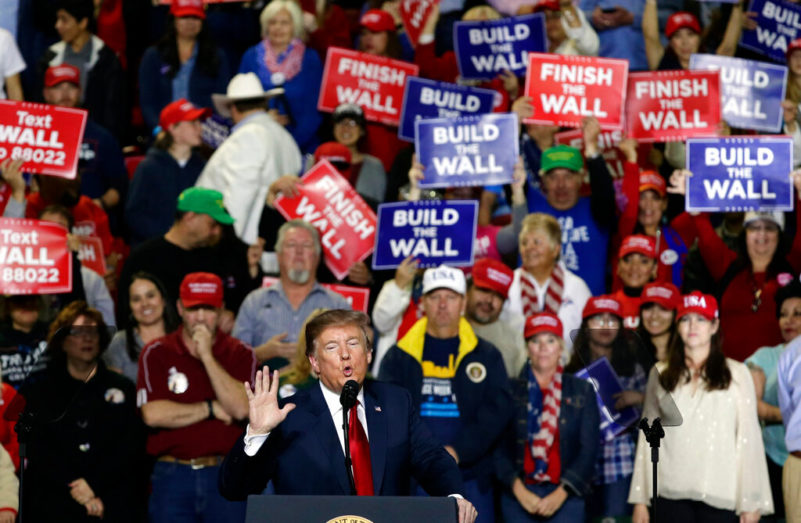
(377, 408)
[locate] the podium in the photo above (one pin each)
(350, 509)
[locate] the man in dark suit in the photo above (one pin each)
(300, 445)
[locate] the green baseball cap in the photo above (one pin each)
(561, 156)
(204, 201)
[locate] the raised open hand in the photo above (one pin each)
(264, 412)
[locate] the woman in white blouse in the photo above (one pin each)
(712, 467)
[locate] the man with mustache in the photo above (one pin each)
(270, 318)
(487, 291)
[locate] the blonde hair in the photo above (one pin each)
(481, 13)
(539, 221)
(292, 7)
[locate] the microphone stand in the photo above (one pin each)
(348, 461)
(24, 428)
(653, 435)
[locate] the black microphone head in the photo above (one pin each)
(349, 392)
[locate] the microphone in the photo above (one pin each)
(348, 399)
(349, 392)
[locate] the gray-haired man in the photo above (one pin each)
(270, 318)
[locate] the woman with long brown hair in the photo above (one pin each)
(712, 467)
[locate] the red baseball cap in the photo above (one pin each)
(680, 20)
(664, 294)
(792, 46)
(602, 304)
(651, 180)
(493, 275)
(62, 73)
(699, 303)
(550, 5)
(542, 322)
(377, 20)
(201, 288)
(181, 111)
(639, 243)
(181, 8)
(334, 152)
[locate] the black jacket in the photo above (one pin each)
(104, 96)
(85, 430)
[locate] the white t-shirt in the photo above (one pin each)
(11, 61)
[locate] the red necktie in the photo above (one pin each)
(360, 454)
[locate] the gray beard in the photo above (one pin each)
(299, 276)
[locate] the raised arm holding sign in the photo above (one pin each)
(777, 24)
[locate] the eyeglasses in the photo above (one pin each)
(600, 321)
(89, 331)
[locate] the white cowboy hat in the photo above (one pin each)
(244, 86)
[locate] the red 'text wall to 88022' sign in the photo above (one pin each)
(34, 258)
(47, 137)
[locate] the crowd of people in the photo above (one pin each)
(201, 115)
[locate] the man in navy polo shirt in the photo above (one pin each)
(457, 380)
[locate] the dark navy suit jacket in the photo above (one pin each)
(303, 454)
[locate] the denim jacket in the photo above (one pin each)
(579, 436)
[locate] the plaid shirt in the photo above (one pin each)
(616, 457)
